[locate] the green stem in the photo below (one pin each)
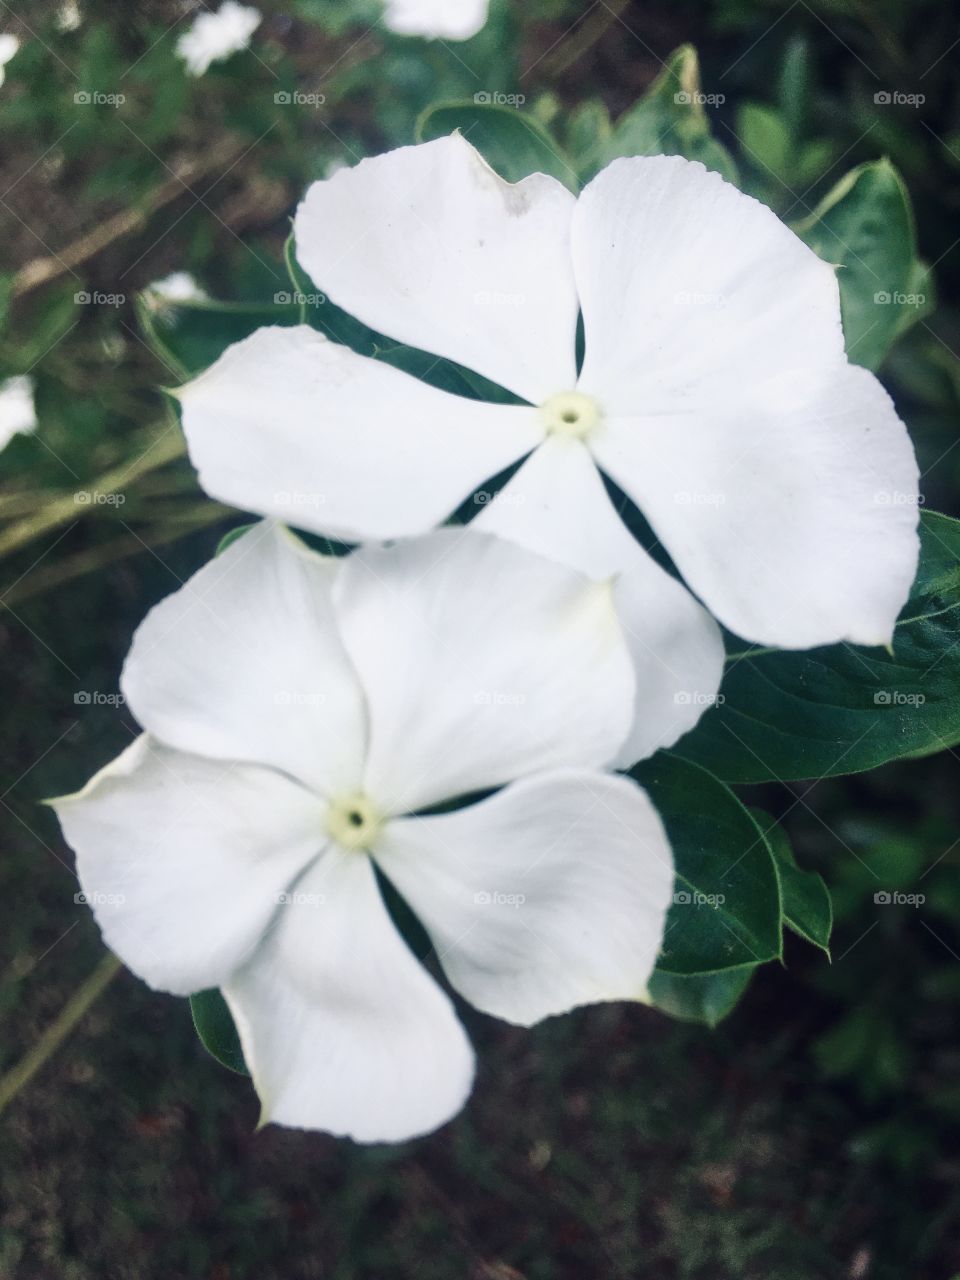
(58, 1030)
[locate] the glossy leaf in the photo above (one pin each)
(865, 226)
(842, 708)
(807, 907)
(708, 998)
(512, 143)
(671, 119)
(726, 908)
(214, 1026)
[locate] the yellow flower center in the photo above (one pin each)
(570, 413)
(353, 822)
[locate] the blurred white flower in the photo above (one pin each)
(17, 412)
(8, 47)
(179, 286)
(69, 16)
(303, 715)
(436, 19)
(714, 391)
(215, 36)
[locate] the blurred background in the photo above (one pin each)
(813, 1134)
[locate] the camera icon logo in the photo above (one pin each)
(282, 299)
(882, 298)
(482, 98)
(282, 98)
(83, 98)
(882, 98)
(82, 298)
(683, 99)
(882, 899)
(682, 898)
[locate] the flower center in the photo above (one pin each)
(570, 413)
(353, 822)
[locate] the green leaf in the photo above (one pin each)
(706, 998)
(214, 1026)
(842, 708)
(865, 227)
(513, 144)
(807, 908)
(764, 138)
(188, 337)
(726, 908)
(229, 538)
(671, 120)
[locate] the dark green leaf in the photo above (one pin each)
(807, 908)
(865, 226)
(842, 709)
(670, 119)
(726, 909)
(706, 998)
(188, 337)
(214, 1026)
(513, 144)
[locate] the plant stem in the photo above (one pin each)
(58, 1030)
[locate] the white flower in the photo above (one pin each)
(8, 47)
(215, 36)
(301, 714)
(178, 287)
(17, 412)
(69, 16)
(714, 391)
(436, 19)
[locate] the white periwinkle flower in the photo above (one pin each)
(436, 19)
(215, 36)
(302, 715)
(69, 16)
(17, 411)
(714, 390)
(8, 47)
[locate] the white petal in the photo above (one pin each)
(290, 425)
(792, 515)
(428, 245)
(342, 1029)
(481, 663)
(17, 411)
(691, 290)
(549, 895)
(557, 505)
(215, 36)
(183, 859)
(244, 662)
(436, 19)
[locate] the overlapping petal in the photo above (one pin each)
(550, 894)
(792, 513)
(692, 291)
(341, 1027)
(428, 245)
(481, 663)
(244, 663)
(291, 425)
(556, 505)
(182, 859)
